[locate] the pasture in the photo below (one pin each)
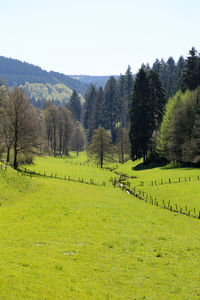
(69, 240)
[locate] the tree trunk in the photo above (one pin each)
(8, 154)
(15, 158)
(60, 144)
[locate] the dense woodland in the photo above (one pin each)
(16, 73)
(154, 114)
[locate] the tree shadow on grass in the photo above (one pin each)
(154, 165)
(164, 166)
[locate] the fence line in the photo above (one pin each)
(90, 165)
(162, 181)
(194, 213)
(69, 178)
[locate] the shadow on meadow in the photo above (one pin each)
(165, 166)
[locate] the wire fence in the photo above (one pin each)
(56, 176)
(164, 181)
(169, 205)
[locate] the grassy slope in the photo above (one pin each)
(66, 240)
(183, 193)
(71, 167)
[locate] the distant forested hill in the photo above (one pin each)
(39, 93)
(16, 72)
(95, 80)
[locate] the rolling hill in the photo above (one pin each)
(16, 72)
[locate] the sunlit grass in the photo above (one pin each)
(163, 183)
(67, 240)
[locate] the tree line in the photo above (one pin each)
(164, 128)
(25, 130)
(131, 117)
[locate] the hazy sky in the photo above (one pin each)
(97, 37)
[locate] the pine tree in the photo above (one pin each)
(191, 72)
(140, 116)
(75, 105)
(128, 85)
(112, 107)
(158, 99)
(89, 111)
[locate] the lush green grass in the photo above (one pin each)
(75, 167)
(67, 240)
(184, 194)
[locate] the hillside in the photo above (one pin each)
(39, 92)
(16, 72)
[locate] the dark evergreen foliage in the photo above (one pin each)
(112, 107)
(75, 105)
(170, 74)
(191, 72)
(140, 116)
(147, 106)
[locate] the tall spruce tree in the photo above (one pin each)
(89, 110)
(191, 72)
(128, 85)
(140, 116)
(148, 102)
(112, 107)
(158, 99)
(75, 105)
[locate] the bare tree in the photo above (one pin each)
(22, 120)
(123, 144)
(59, 127)
(6, 133)
(78, 138)
(68, 129)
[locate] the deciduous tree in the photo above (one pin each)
(100, 149)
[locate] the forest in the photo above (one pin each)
(16, 72)
(153, 114)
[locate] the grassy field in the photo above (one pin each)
(68, 240)
(77, 168)
(180, 186)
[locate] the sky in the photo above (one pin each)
(97, 37)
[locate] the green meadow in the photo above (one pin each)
(180, 186)
(70, 240)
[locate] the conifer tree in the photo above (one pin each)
(89, 111)
(140, 116)
(112, 107)
(191, 72)
(75, 105)
(148, 102)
